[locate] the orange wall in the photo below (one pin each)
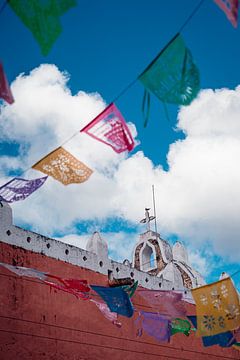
(42, 324)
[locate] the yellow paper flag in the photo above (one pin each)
(217, 308)
(64, 167)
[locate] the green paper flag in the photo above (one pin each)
(180, 326)
(42, 18)
(172, 76)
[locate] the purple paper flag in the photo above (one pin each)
(18, 189)
(154, 325)
(5, 91)
(167, 303)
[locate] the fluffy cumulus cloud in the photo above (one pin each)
(198, 198)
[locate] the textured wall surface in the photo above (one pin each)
(42, 324)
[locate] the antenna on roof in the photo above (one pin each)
(154, 207)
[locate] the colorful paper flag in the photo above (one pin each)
(230, 7)
(172, 76)
(217, 308)
(78, 288)
(5, 91)
(154, 325)
(167, 303)
(110, 128)
(42, 18)
(64, 167)
(111, 316)
(225, 339)
(19, 189)
(116, 299)
(23, 271)
(180, 326)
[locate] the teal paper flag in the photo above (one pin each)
(41, 17)
(172, 76)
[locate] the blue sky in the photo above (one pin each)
(104, 45)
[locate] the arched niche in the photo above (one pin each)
(148, 257)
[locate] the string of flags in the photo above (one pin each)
(172, 77)
(216, 319)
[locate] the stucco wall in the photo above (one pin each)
(40, 324)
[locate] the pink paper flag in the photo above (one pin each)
(167, 303)
(110, 128)
(111, 316)
(5, 91)
(230, 7)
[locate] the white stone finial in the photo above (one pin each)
(5, 215)
(97, 245)
(147, 218)
(180, 252)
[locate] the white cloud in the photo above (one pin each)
(198, 198)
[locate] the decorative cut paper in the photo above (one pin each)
(154, 325)
(111, 316)
(180, 326)
(19, 189)
(64, 167)
(225, 339)
(217, 308)
(5, 91)
(172, 76)
(111, 129)
(78, 288)
(230, 7)
(167, 303)
(116, 299)
(42, 18)
(23, 271)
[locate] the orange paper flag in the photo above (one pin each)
(64, 167)
(217, 308)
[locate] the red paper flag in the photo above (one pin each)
(5, 91)
(110, 128)
(230, 7)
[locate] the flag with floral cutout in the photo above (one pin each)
(19, 189)
(64, 167)
(217, 308)
(173, 76)
(110, 128)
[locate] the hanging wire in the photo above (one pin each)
(125, 89)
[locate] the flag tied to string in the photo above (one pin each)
(41, 17)
(111, 316)
(154, 325)
(19, 189)
(180, 326)
(5, 91)
(167, 303)
(225, 339)
(217, 307)
(64, 167)
(23, 271)
(230, 7)
(110, 128)
(116, 299)
(172, 76)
